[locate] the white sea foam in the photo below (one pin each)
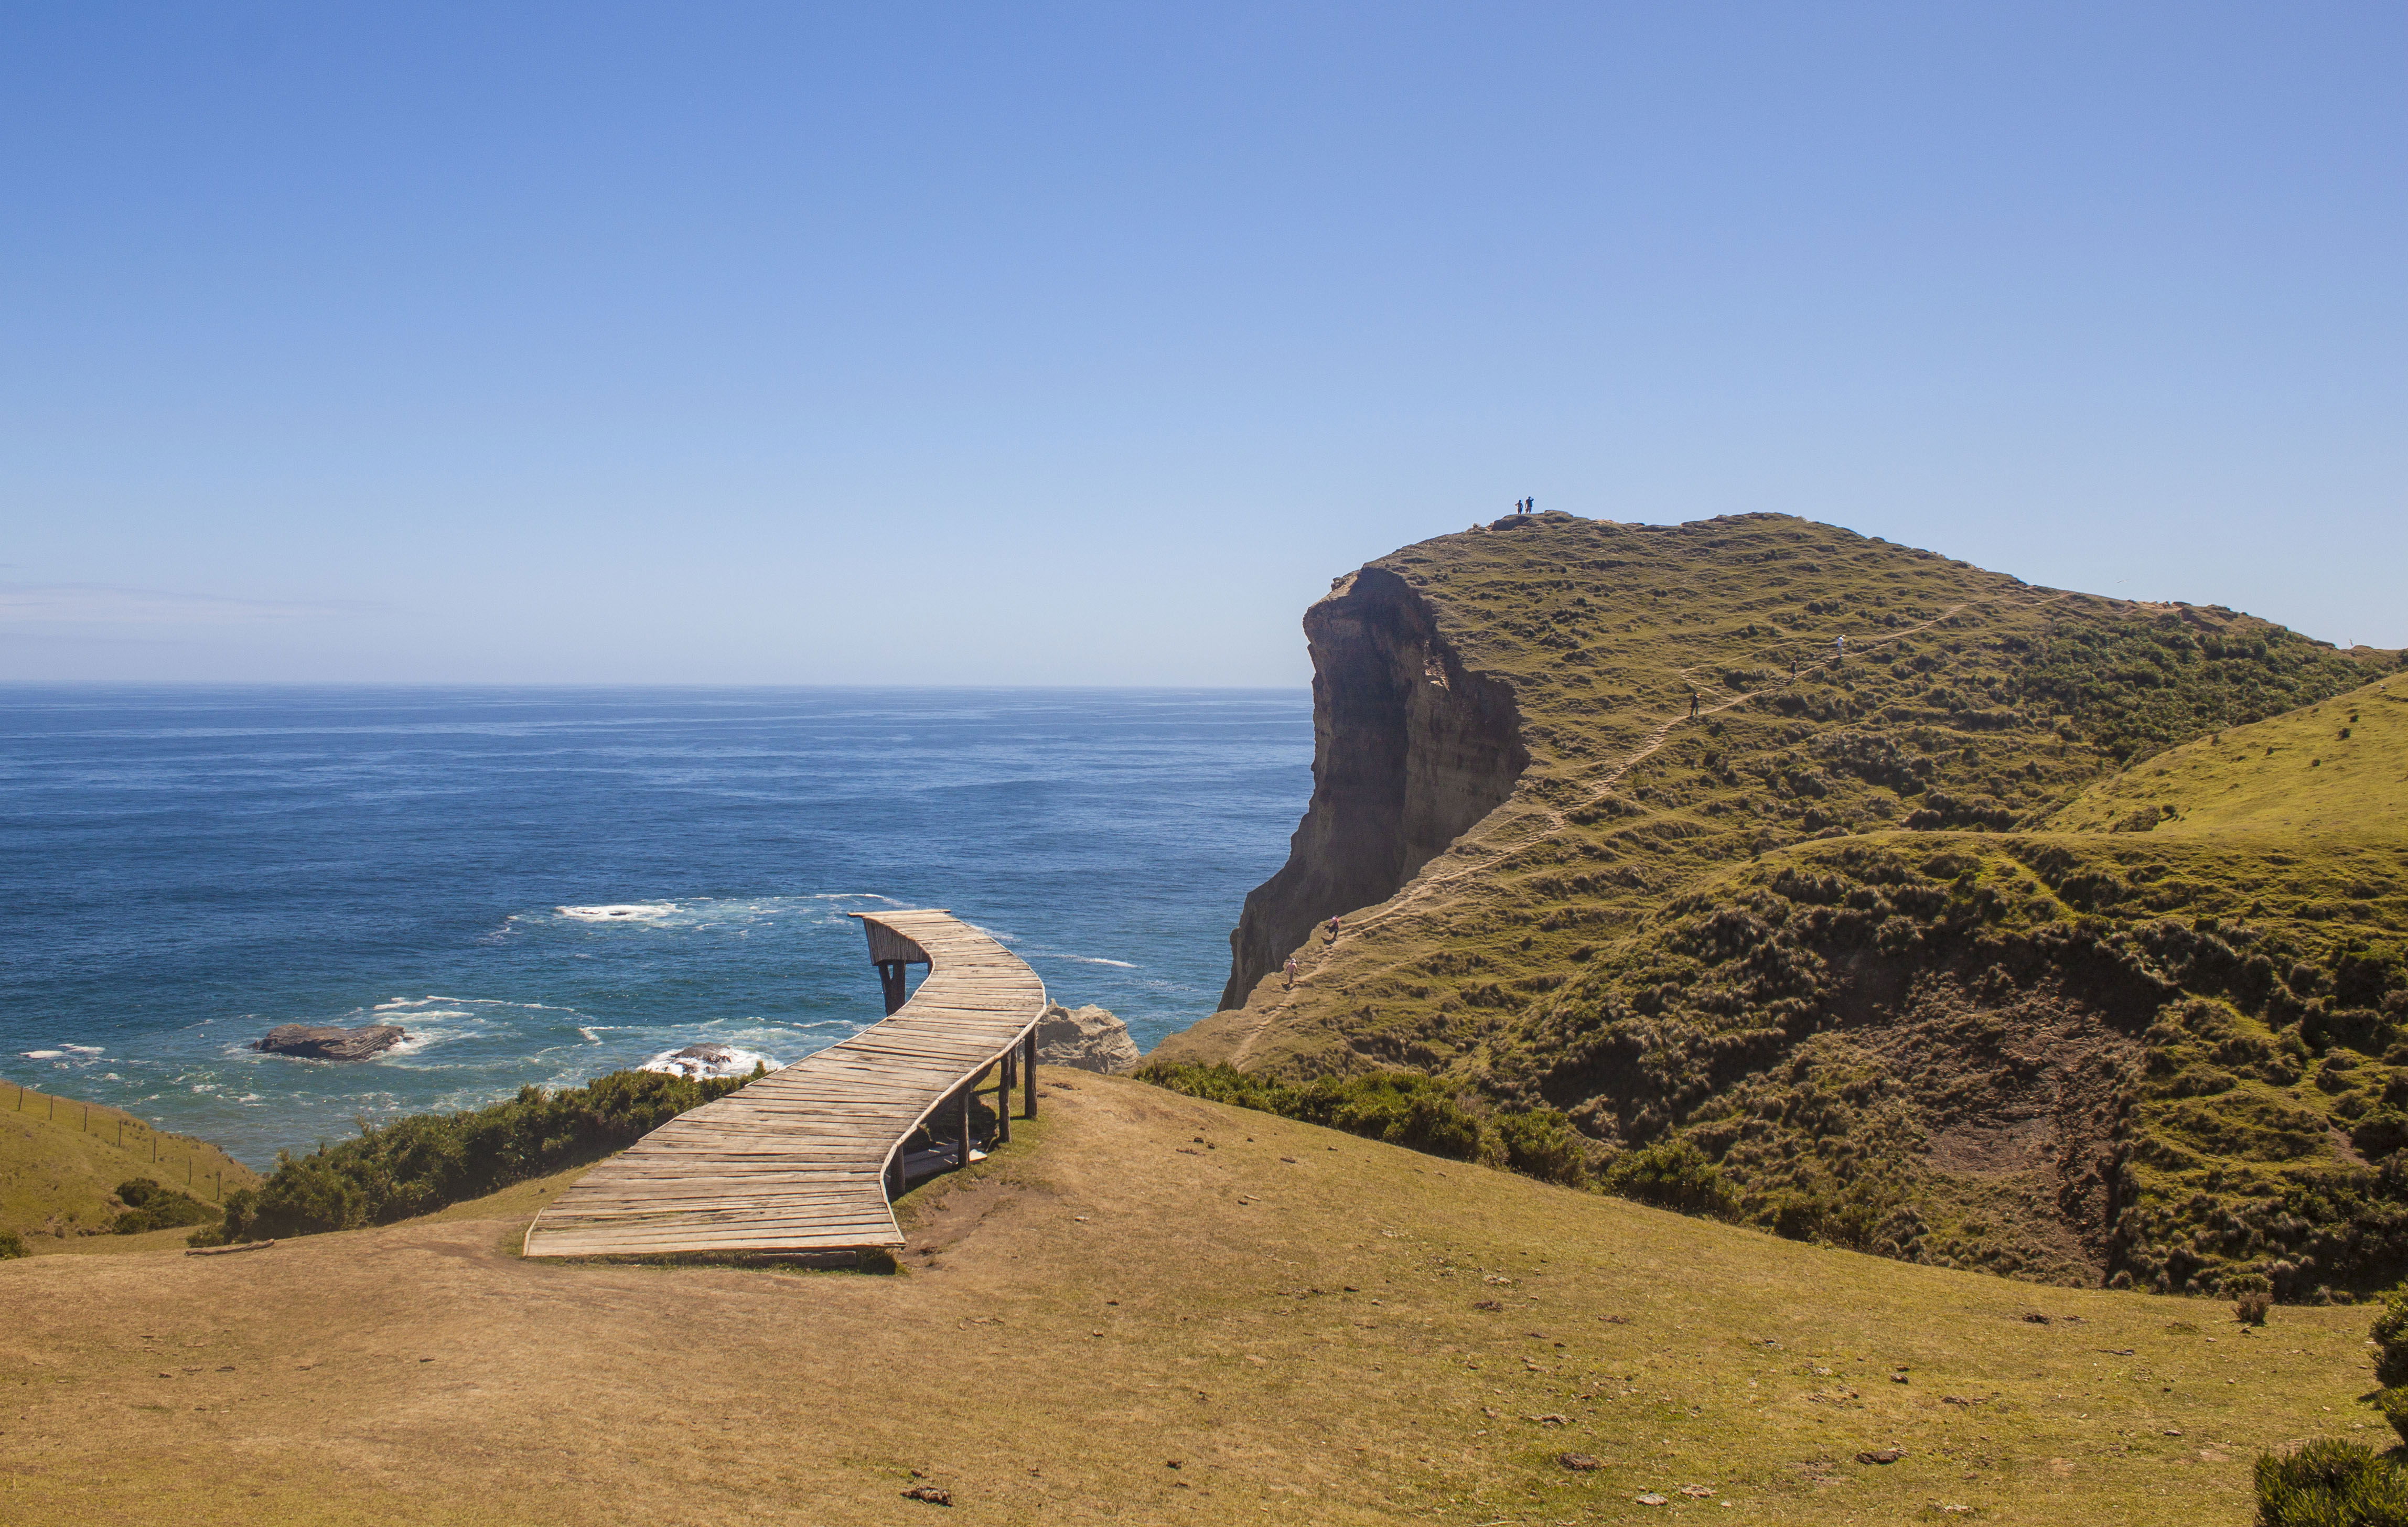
(708, 1059)
(83, 1049)
(620, 912)
(43, 1054)
(1088, 959)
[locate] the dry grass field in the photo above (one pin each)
(1117, 1320)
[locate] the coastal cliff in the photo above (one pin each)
(1409, 748)
(1816, 862)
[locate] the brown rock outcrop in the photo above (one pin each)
(1086, 1038)
(1410, 749)
(321, 1042)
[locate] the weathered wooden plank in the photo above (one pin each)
(796, 1162)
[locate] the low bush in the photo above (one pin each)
(1542, 1143)
(2391, 1334)
(150, 1206)
(2331, 1483)
(419, 1164)
(1401, 1107)
(2393, 1404)
(1671, 1174)
(2252, 1295)
(12, 1245)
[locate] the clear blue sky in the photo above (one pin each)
(1084, 344)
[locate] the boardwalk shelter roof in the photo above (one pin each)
(805, 1159)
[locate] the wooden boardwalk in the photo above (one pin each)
(809, 1158)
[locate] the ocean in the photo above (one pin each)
(542, 885)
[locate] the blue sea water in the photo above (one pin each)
(542, 885)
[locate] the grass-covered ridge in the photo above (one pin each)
(2155, 1062)
(2339, 768)
(1967, 700)
(1826, 931)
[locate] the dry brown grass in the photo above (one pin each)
(1291, 1316)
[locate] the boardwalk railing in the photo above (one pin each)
(809, 1158)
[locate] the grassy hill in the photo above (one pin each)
(61, 1162)
(2338, 769)
(1148, 1309)
(1833, 918)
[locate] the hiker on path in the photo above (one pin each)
(1839, 648)
(1291, 973)
(1693, 705)
(1333, 928)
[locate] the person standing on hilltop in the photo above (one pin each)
(1291, 973)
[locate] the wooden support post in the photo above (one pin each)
(890, 978)
(1003, 1098)
(1028, 1073)
(969, 1091)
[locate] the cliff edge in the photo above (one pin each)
(1409, 748)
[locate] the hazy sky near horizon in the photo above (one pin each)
(1084, 344)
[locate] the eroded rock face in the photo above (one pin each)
(1408, 751)
(321, 1042)
(1087, 1038)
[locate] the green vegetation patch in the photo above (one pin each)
(424, 1162)
(2331, 1483)
(1868, 1036)
(1403, 1108)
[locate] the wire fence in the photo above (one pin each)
(201, 1167)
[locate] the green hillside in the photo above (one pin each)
(2338, 769)
(1825, 930)
(62, 1160)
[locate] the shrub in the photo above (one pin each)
(2331, 1483)
(1670, 1175)
(418, 1164)
(1401, 1107)
(150, 1206)
(12, 1245)
(2391, 1334)
(1417, 1112)
(2380, 1133)
(1542, 1143)
(2393, 1404)
(2252, 1295)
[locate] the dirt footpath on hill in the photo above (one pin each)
(1117, 1319)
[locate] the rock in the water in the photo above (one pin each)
(1088, 1038)
(696, 1061)
(320, 1042)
